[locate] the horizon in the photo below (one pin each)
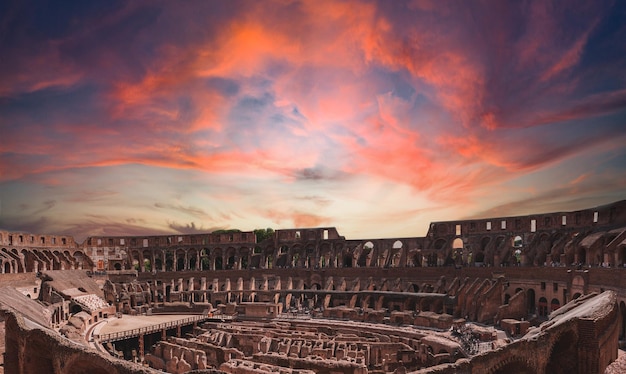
(220, 231)
(378, 117)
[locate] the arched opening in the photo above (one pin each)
(531, 301)
(192, 263)
(147, 265)
(281, 261)
(7, 267)
(180, 263)
(169, 261)
(439, 244)
(554, 305)
(507, 297)
(457, 243)
(417, 259)
(218, 263)
(78, 257)
(563, 358)
(205, 263)
(432, 259)
(582, 256)
(517, 242)
(484, 242)
(231, 263)
(117, 266)
(347, 261)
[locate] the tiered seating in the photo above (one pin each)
(91, 302)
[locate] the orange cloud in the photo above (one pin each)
(296, 218)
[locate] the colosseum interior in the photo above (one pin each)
(542, 293)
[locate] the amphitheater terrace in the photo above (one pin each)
(540, 293)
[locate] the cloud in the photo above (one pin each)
(296, 218)
(189, 210)
(268, 103)
(190, 228)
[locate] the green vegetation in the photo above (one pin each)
(231, 231)
(262, 234)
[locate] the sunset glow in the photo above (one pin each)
(142, 117)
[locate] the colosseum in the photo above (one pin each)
(541, 293)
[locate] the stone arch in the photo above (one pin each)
(192, 259)
(281, 261)
(43, 362)
(457, 243)
(217, 259)
(86, 364)
(366, 254)
(205, 259)
(581, 254)
(135, 260)
(440, 243)
(347, 260)
(554, 304)
(79, 257)
(416, 258)
(29, 260)
(180, 259)
(169, 260)
(514, 365)
(484, 242)
(147, 264)
(563, 354)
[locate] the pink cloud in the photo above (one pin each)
(296, 218)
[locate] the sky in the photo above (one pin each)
(375, 117)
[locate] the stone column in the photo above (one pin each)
(141, 347)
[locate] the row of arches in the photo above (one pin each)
(34, 260)
(309, 256)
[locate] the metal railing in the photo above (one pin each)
(120, 335)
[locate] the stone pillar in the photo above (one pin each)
(141, 347)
